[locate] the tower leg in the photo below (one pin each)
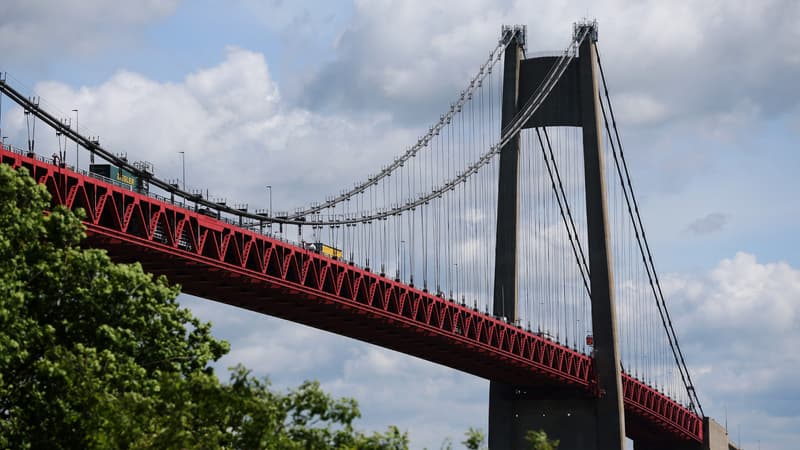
(502, 429)
(610, 414)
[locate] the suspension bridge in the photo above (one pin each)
(507, 242)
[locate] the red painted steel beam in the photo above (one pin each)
(217, 260)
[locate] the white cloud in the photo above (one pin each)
(668, 60)
(28, 27)
(743, 294)
(249, 94)
(638, 109)
(430, 401)
(283, 348)
(237, 132)
(739, 325)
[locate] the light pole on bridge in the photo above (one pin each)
(402, 257)
(77, 147)
(269, 188)
(183, 169)
(455, 270)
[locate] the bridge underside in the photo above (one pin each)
(289, 301)
(558, 407)
(283, 300)
(217, 260)
(299, 304)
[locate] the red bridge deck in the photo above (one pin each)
(213, 259)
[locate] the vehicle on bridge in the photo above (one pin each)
(325, 249)
(119, 176)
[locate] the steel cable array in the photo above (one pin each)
(424, 141)
(525, 113)
(634, 215)
(408, 223)
(356, 217)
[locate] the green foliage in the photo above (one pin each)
(539, 441)
(474, 439)
(95, 354)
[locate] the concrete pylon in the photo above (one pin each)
(572, 416)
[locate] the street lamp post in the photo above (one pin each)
(269, 188)
(455, 269)
(183, 169)
(402, 258)
(76, 141)
(4, 140)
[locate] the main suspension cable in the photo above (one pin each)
(644, 248)
(422, 143)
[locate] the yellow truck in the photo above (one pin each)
(325, 249)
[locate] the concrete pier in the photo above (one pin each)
(714, 438)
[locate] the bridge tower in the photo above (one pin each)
(568, 415)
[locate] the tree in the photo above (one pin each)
(474, 439)
(95, 354)
(540, 441)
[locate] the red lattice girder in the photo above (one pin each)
(223, 262)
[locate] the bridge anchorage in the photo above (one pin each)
(573, 333)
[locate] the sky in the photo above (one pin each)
(304, 95)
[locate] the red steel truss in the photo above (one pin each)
(221, 261)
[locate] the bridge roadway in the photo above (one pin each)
(217, 260)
